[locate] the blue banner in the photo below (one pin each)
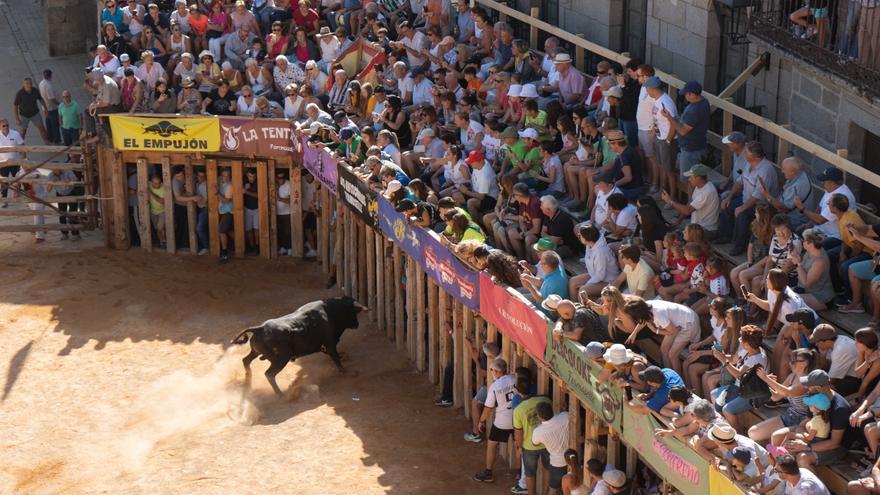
(401, 231)
(452, 275)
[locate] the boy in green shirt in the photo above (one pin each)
(525, 420)
(157, 208)
(537, 120)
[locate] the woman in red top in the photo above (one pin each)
(276, 42)
(219, 27)
(199, 25)
(306, 17)
(303, 48)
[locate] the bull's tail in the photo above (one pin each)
(242, 338)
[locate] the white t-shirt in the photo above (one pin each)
(132, 10)
(600, 263)
(645, 111)
(466, 136)
(483, 181)
(669, 313)
(758, 452)
(707, 206)
(405, 86)
(660, 121)
(491, 145)
(601, 207)
(554, 435)
(422, 92)
(743, 360)
(831, 228)
(790, 305)
(328, 44)
(416, 42)
(11, 139)
(627, 217)
(717, 328)
(309, 190)
(809, 484)
(843, 358)
(558, 184)
(282, 205)
(500, 396)
(47, 91)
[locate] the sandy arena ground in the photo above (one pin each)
(117, 379)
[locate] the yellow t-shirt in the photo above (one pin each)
(157, 205)
(850, 217)
(640, 278)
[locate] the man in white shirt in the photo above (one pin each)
(664, 135)
(824, 219)
(8, 137)
(645, 123)
(705, 203)
(421, 89)
(599, 261)
(553, 433)
(841, 353)
(105, 60)
(483, 193)
(47, 91)
(622, 218)
(413, 41)
(499, 399)
(798, 480)
(605, 187)
(470, 131)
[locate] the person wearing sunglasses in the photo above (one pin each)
(112, 13)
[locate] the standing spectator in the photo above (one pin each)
(526, 420)
(70, 118)
(629, 83)
(736, 216)
(282, 212)
(692, 128)
(27, 108)
(182, 197)
(34, 190)
(47, 93)
(705, 203)
(251, 211)
(157, 208)
(553, 433)
(663, 134)
(202, 211)
(869, 41)
(226, 227)
(498, 399)
(646, 123)
(68, 211)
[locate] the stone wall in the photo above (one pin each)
(72, 26)
(600, 21)
(683, 37)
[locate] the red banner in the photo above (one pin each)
(513, 316)
(260, 137)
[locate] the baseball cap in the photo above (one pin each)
(652, 82)
(831, 173)
(544, 244)
(340, 115)
(741, 454)
(615, 478)
(346, 133)
(474, 157)
(425, 133)
(823, 332)
(529, 133)
(692, 87)
(609, 124)
(816, 378)
(514, 90)
(594, 350)
(734, 137)
(803, 316)
(652, 374)
(819, 401)
(509, 132)
(722, 433)
(698, 169)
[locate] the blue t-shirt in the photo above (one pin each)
(696, 115)
(225, 207)
(555, 283)
(661, 394)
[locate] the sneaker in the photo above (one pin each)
(203, 252)
(282, 251)
(442, 402)
(851, 308)
(776, 404)
(311, 254)
(473, 437)
(485, 477)
(518, 489)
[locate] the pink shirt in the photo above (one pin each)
(571, 84)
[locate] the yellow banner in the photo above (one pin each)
(722, 485)
(193, 135)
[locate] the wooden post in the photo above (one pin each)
(843, 153)
(371, 269)
(263, 200)
(296, 212)
(119, 178)
(443, 330)
(170, 239)
(574, 420)
(91, 189)
(466, 323)
(273, 209)
(380, 300)
(632, 461)
(726, 129)
(410, 308)
(338, 243)
(433, 332)
(613, 448)
(457, 356)
(421, 326)
(143, 192)
(533, 30)
(238, 207)
(351, 255)
(213, 206)
(782, 147)
(398, 299)
(362, 262)
(324, 232)
(580, 59)
(390, 288)
(191, 211)
(673, 93)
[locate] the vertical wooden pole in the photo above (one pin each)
(574, 420)
(370, 248)
(324, 232)
(338, 262)
(443, 328)
(466, 323)
(119, 178)
(351, 254)
(457, 356)
(410, 301)
(263, 200)
(89, 177)
(170, 239)
(433, 332)
(535, 12)
(726, 128)
(273, 209)
(390, 289)
(362, 262)
(238, 206)
(580, 56)
(398, 299)
(143, 193)
(191, 211)
(421, 323)
(632, 462)
(381, 300)
(296, 211)
(783, 147)
(213, 186)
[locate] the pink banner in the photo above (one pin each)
(513, 316)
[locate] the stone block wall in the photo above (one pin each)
(683, 37)
(72, 26)
(600, 21)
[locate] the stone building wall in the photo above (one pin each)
(72, 26)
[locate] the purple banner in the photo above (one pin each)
(319, 163)
(452, 275)
(401, 231)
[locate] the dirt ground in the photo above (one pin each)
(117, 378)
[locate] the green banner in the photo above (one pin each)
(670, 458)
(567, 360)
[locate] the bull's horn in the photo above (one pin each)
(361, 307)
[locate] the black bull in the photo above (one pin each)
(314, 327)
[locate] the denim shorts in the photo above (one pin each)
(530, 461)
(727, 400)
(792, 417)
(862, 270)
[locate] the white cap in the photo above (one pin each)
(514, 90)
(529, 133)
(615, 478)
(528, 91)
(393, 186)
(124, 57)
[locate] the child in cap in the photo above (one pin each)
(743, 467)
(818, 427)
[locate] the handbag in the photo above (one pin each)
(752, 387)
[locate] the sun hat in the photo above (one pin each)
(562, 58)
(614, 91)
(529, 133)
(393, 186)
(722, 433)
(528, 91)
(552, 302)
(617, 355)
(615, 478)
(187, 82)
(206, 53)
(514, 90)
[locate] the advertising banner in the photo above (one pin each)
(452, 275)
(513, 316)
(399, 230)
(668, 457)
(195, 135)
(261, 137)
(567, 360)
(320, 164)
(357, 196)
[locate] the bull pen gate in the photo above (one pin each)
(80, 206)
(126, 167)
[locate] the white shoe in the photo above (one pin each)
(311, 253)
(203, 252)
(282, 251)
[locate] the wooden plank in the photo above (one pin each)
(389, 288)
(458, 364)
(296, 211)
(32, 164)
(574, 420)
(744, 76)
(189, 178)
(263, 198)
(338, 239)
(41, 180)
(46, 212)
(91, 189)
(362, 263)
(443, 328)
(213, 186)
(273, 210)
(33, 228)
(398, 299)
(238, 206)
(467, 376)
(421, 323)
(113, 173)
(170, 240)
(370, 255)
(579, 56)
(351, 253)
(40, 149)
(410, 307)
(76, 199)
(379, 303)
(726, 156)
(433, 332)
(535, 12)
(144, 205)
(782, 147)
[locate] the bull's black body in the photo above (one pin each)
(314, 327)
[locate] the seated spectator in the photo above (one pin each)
(578, 323)
(759, 245)
(700, 359)
(557, 226)
(482, 193)
(626, 170)
(828, 451)
(781, 300)
(699, 417)
(503, 269)
(813, 271)
(824, 219)
(738, 211)
(462, 228)
(868, 360)
(695, 273)
(660, 382)
(789, 394)
(524, 222)
(851, 250)
(724, 438)
(799, 479)
(840, 354)
(621, 364)
(605, 188)
(704, 206)
(797, 185)
(636, 273)
(622, 219)
(555, 280)
(677, 324)
(863, 271)
(726, 398)
(599, 261)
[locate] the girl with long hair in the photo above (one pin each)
(503, 268)
(612, 307)
(700, 359)
(750, 355)
(652, 230)
(781, 300)
(759, 245)
(573, 480)
(734, 319)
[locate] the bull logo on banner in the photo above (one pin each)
(231, 140)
